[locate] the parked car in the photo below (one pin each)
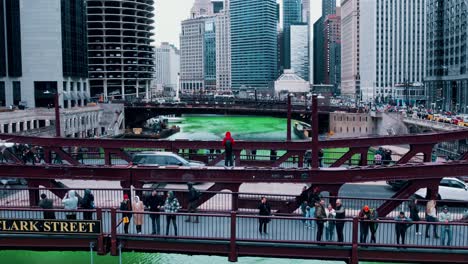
(397, 185)
(451, 189)
(160, 158)
(13, 181)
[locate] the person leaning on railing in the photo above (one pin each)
(340, 214)
(171, 206)
(46, 203)
(446, 229)
(431, 216)
(401, 226)
(126, 208)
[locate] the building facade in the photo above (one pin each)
(318, 52)
(202, 8)
(121, 56)
(392, 51)
(350, 26)
(209, 54)
(447, 78)
(305, 11)
(328, 7)
(223, 50)
(192, 62)
(300, 50)
(332, 49)
(292, 13)
(254, 43)
(167, 65)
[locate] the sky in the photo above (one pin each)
(169, 14)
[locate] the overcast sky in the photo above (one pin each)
(169, 14)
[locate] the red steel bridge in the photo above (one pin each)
(110, 159)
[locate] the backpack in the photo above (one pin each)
(228, 145)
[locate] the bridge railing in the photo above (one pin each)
(217, 202)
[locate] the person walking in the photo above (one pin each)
(154, 204)
(87, 203)
(340, 214)
(364, 217)
(228, 143)
(373, 225)
(264, 209)
(431, 217)
(70, 202)
(171, 206)
(320, 216)
(330, 224)
(414, 214)
(126, 208)
(46, 203)
(446, 229)
(138, 208)
(314, 199)
(401, 226)
(193, 197)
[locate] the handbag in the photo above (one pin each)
(126, 220)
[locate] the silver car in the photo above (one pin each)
(160, 158)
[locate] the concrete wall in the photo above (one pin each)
(344, 124)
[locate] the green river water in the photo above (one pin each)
(196, 128)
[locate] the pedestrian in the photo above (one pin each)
(431, 217)
(171, 207)
(47, 204)
(310, 214)
(378, 158)
(446, 217)
(320, 216)
(273, 155)
(302, 201)
(228, 143)
(314, 198)
(264, 209)
(340, 214)
(138, 208)
(414, 214)
(308, 158)
(70, 202)
(193, 197)
(154, 203)
(364, 217)
(330, 224)
(254, 154)
(126, 208)
(320, 157)
(401, 226)
(87, 203)
(373, 225)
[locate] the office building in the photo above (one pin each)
(305, 11)
(223, 50)
(121, 56)
(292, 13)
(392, 51)
(350, 26)
(328, 8)
(218, 6)
(318, 52)
(254, 54)
(167, 66)
(447, 78)
(209, 54)
(43, 53)
(202, 8)
(332, 49)
(300, 50)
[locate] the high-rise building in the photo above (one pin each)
(318, 52)
(305, 11)
(209, 54)
(218, 6)
(292, 13)
(300, 50)
(201, 8)
(43, 52)
(192, 61)
(121, 57)
(447, 78)
(350, 83)
(392, 50)
(332, 49)
(253, 43)
(328, 7)
(223, 50)
(167, 64)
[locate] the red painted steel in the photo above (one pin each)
(315, 133)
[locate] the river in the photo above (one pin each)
(196, 128)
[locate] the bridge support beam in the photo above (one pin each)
(288, 125)
(362, 151)
(315, 133)
(232, 243)
(426, 149)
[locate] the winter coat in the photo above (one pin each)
(414, 212)
(88, 200)
(138, 207)
(126, 206)
(171, 205)
(264, 209)
(320, 212)
(70, 202)
(228, 146)
(155, 203)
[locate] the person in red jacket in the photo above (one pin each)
(228, 143)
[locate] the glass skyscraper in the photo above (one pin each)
(292, 13)
(300, 50)
(209, 53)
(254, 43)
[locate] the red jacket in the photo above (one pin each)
(228, 137)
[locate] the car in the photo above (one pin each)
(451, 189)
(162, 158)
(13, 181)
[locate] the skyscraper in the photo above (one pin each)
(392, 50)
(223, 49)
(447, 48)
(254, 43)
(350, 26)
(305, 11)
(121, 57)
(319, 53)
(300, 50)
(192, 59)
(43, 52)
(167, 64)
(292, 13)
(201, 8)
(209, 54)
(332, 49)
(328, 7)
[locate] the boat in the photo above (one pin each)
(302, 130)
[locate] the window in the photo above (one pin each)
(2, 94)
(16, 93)
(172, 161)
